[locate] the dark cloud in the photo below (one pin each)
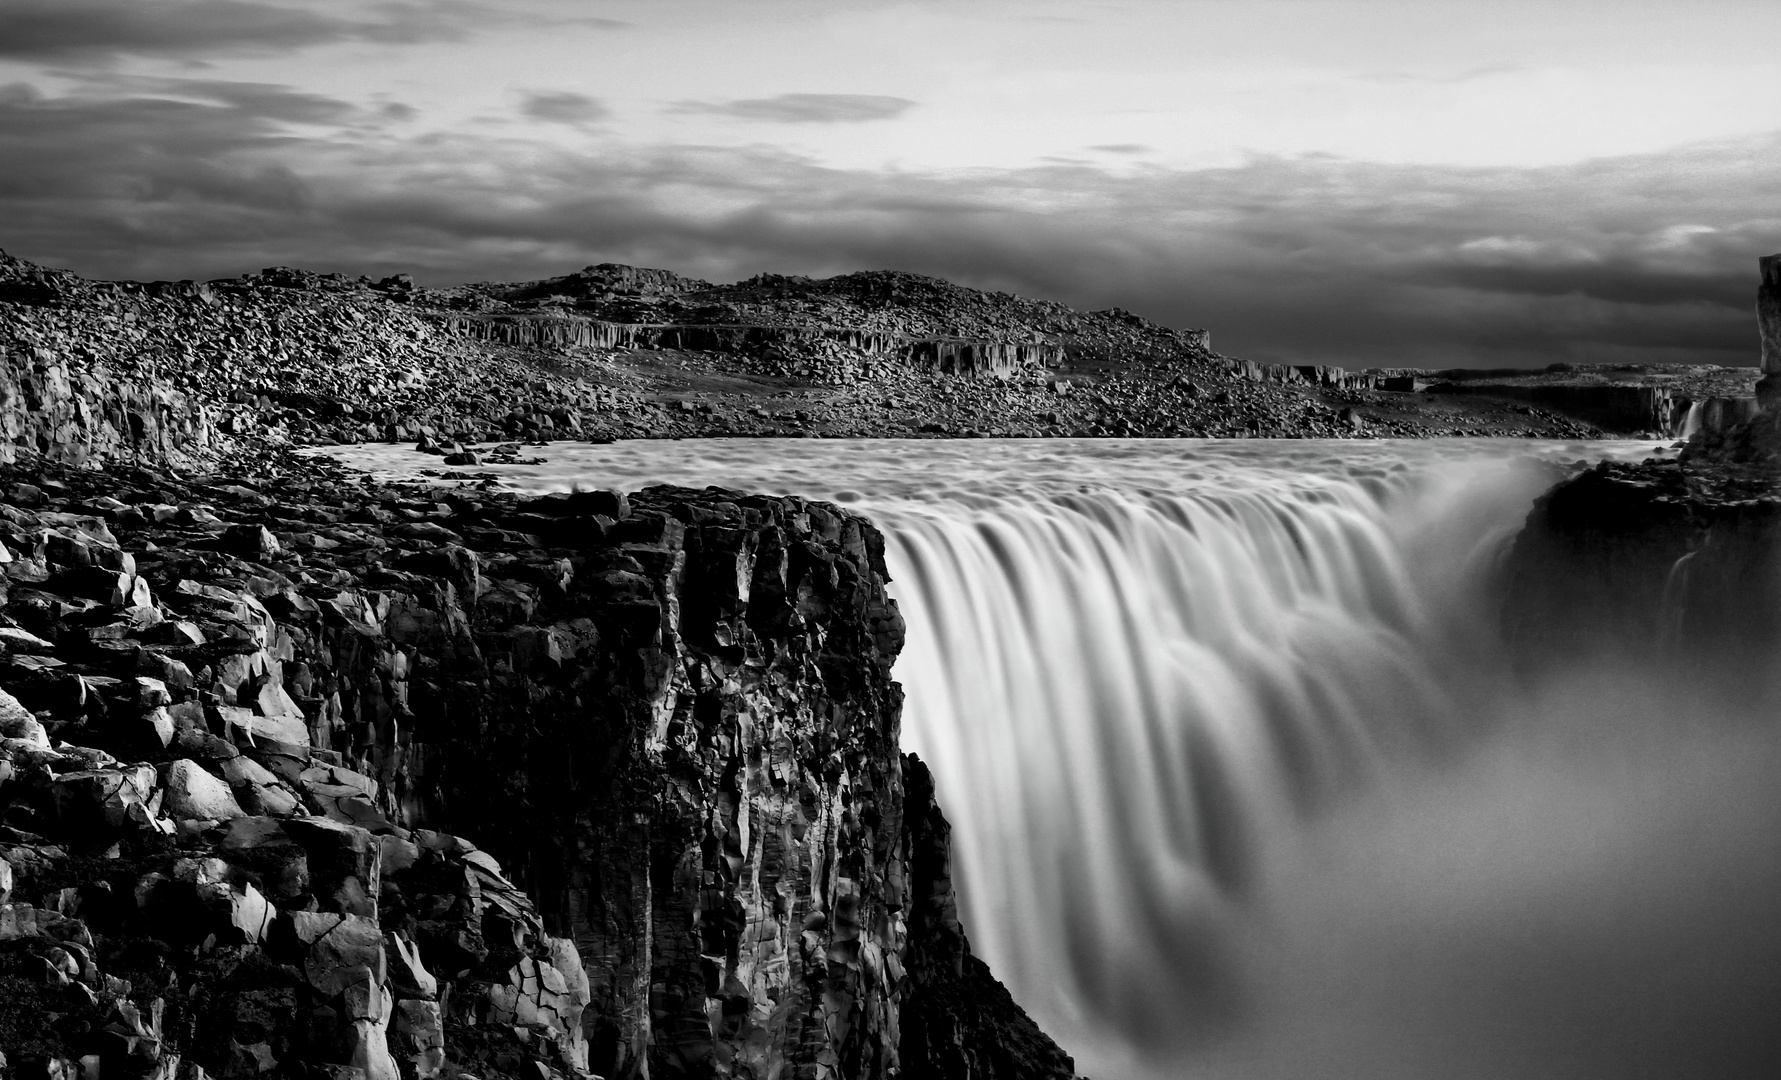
(88, 31)
(563, 107)
(806, 108)
(1122, 148)
(260, 101)
(1312, 259)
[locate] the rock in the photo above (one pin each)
(152, 693)
(368, 1010)
(519, 668)
(345, 863)
(160, 726)
(250, 914)
(282, 735)
(1768, 323)
(192, 792)
(16, 722)
(259, 791)
(17, 642)
(408, 978)
(103, 801)
(340, 950)
(419, 1037)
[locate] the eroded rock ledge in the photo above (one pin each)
(302, 776)
(1660, 563)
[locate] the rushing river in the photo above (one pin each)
(1241, 785)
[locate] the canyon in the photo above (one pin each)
(306, 773)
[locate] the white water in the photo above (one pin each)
(1239, 783)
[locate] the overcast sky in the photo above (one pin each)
(1395, 181)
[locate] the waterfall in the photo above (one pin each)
(1242, 786)
(1124, 695)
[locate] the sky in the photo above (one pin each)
(1390, 182)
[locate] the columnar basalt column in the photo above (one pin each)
(1768, 322)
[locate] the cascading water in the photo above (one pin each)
(1239, 783)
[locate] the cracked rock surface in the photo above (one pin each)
(305, 776)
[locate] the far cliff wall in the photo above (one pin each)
(87, 417)
(1661, 566)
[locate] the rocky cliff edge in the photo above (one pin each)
(300, 776)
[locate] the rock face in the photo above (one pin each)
(1768, 325)
(310, 776)
(1666, 564)
(957, 1020)
(81, 417)
(850, 354)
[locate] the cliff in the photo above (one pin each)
(1661, 563)
(304, 776)
(1657, 564)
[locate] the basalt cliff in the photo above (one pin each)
(305, 776)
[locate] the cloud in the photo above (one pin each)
(806, 108)
(1485, 71)
(99, 31)
(1302, 259)
(563, 107)
(1122, 148)
(261, 101)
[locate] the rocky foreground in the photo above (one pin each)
(302, 776)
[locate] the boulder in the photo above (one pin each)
(345, 864)
(339, 949)
(104, 800)
(194, 793)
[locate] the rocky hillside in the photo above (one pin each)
(194, 372)
(302, 776)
